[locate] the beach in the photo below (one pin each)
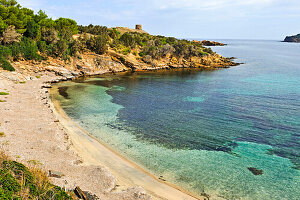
(38, 131)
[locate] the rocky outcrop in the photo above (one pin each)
(294, 38)
(93, 64)
(209, 43)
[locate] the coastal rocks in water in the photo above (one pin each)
(294, 38)
(63, 92)
(255, 171)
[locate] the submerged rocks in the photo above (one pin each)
(255, 171)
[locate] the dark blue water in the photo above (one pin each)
(200, 129)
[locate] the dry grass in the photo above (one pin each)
(18, 181)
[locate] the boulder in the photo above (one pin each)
(55, 174)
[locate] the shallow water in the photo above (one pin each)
(202, 130)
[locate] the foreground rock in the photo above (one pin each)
(294, 38)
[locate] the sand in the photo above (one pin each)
(38, 130)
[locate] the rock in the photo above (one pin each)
(255, 171)
(294, 38)
(209, 43)
(55, 174)
(90, 196)
(80, 194)
(46, 86)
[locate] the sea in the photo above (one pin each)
(230, 133)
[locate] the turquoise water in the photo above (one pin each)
(202, 130)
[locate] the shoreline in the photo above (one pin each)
(94, 152)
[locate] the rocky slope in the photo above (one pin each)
(90, 63)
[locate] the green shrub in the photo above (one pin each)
(59, 49)
(4, 93)
(97, 44)
(5, 51)
(4, 64)
(15, 50)
(33, 30)
(29, 49)
(126, 51)
(42, 46)
(17, 181)
(127, 40)
(122, 59)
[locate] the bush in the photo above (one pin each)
(5, 51)
(4, 64)
(126, 51)
(97, 44)
(15, 50)
(50, 35)
(33, 30)
(127, 40)
(29, 49)
(42, 46)
(19, 182)
(60, 48)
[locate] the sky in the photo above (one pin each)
(205, 19)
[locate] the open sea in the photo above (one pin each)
(231, 133)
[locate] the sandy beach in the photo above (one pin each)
(38, 131)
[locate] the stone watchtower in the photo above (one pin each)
(138, 27)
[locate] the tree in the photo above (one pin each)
(60, 48)
(66, 34)
(8, 3)
(49, 35)
(41, 15)
(33, 30)
(10, 35)
(65, 23)
(3, 26)
(127, 39)
(97, 44)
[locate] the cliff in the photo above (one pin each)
(294, 38)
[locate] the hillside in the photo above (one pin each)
(26, 36)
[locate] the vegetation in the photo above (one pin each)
(4, 93)
(34, 36)
(24, 34)
(20, 182)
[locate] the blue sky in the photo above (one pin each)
(208, 19)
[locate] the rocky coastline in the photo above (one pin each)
(28, 106)
(209, 43)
